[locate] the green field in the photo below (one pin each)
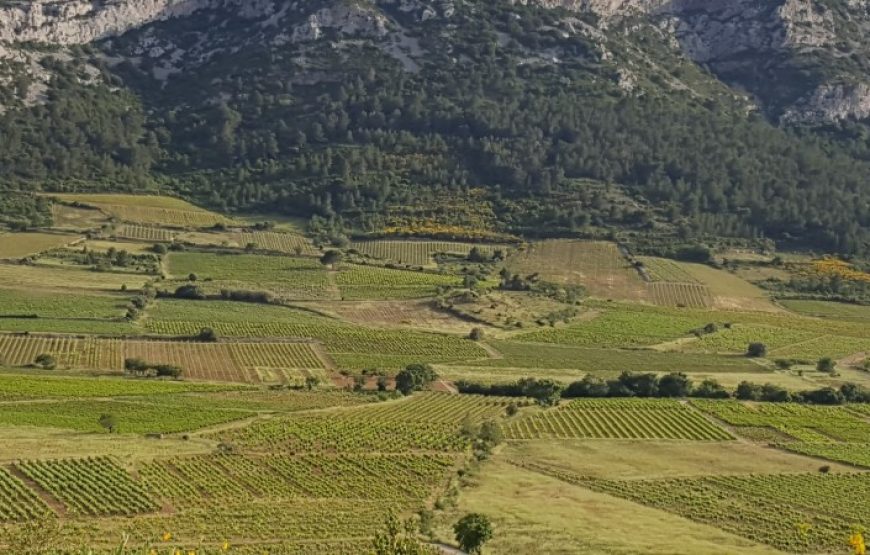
(828, 309)
(610, 418)
(284, 433)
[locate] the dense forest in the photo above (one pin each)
(482, 122)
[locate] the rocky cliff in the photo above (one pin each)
(802, 60)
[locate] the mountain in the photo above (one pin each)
(669, 123)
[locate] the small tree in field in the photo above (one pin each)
(207, 334)
(472, 531)
(826, 365)
(45, 361)
(756, 350)
(109, 422)
(331, 258)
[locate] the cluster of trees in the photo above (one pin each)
(142, 369)
(674, 385)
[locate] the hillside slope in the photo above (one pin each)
(685, 118)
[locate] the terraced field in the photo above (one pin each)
(617, 419)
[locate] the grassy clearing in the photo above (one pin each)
(60, 277)
(596, 265)
(729, 291)
(76, 218)
(20, 245)
(32, 443)
(619, 460)
(770, 508)
(534, 514)
(149, 209)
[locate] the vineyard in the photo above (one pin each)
(162, 415)
(417, 253)
(621, 328)
(341, 341)
(590, 359)
(144, 233)
(19, 245)
(807, 423)
(617, 419)
(18, 387)
(17, 503)
(829, 309)
(665, 270)
(596, 265)
(195, 480)
(358, 282)
(857, 454)
(29, 303)
(69, 352)
(799, 513)
(95, 486)
(20, 276)
(691, 295)
(232, 362)
(289, 243)
(427, 421)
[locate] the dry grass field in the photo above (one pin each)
(19, 245)
(76, 218)
(149, 210)
(729, 291)
(596, 265)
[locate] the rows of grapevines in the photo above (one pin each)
(809, 423)
(17, 503)
(429, 421)
(235, 477)
(95, 486)
(617, 418)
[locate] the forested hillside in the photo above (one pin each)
(482, 118)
